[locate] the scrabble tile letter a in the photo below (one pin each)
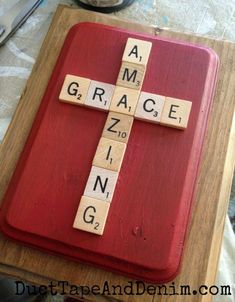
(134, 63)
(137, 51)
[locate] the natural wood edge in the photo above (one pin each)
(221, 213)
(214, 247)
(167, 30)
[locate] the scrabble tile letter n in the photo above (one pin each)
(74, 90)
(101, 184)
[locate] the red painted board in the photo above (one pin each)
(145, 231)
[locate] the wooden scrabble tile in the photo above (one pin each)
(101, 184)
(131, 75)
(118, 127)
(124, 100)
(109, 154)
(74, 90)
(99, 95)
(176, 113)
(150, 107)
(91, 215)
(137, 51)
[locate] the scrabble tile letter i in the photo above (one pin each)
(125, 101)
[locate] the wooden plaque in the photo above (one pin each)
(145, 232)
(205, 231)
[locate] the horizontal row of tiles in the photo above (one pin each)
(142, 105)
(95, 203)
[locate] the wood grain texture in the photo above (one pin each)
(213, 187)
(62, 144)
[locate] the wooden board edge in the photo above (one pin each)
(217, 239)
(167, 31)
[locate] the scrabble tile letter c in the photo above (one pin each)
(99, 95)
(150, 107)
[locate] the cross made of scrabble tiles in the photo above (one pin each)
(124, 102)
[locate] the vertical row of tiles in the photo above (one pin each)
(125, 100)
(94, 205)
